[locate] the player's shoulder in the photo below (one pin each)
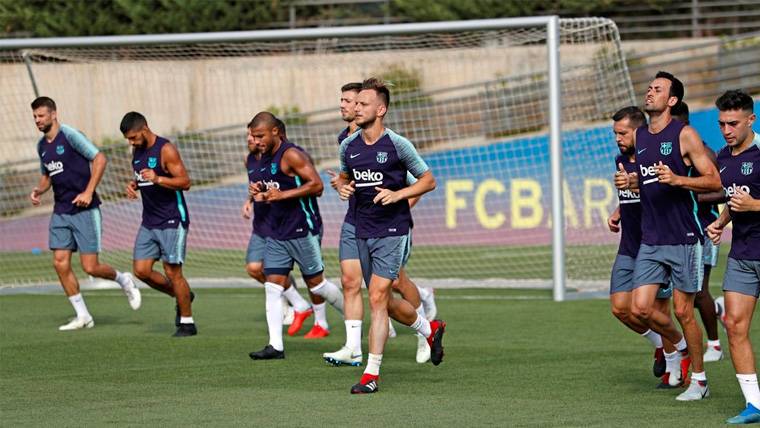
(724, 152)
(351, 137)
(619, 159)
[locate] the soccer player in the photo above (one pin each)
(741, 283)
(374, 165)
(65, 157)
(707, 212)
(351, 278)
(288, 182)
(667, 151)
(160, 177)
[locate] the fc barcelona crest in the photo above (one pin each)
(382, 157)
(273, 168)
(666, 148)
(59, 150)
(746, 168)
(152, 162)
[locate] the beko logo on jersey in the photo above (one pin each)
(141, 181)
(368, 178)
(54, 167)
(627, 194)
(734, 189)
(271, 184)
(649, 171)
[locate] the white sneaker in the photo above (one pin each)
(343, 357)
(431, 310)
(131, 291)
(391, 330)
(713, 353)
(674, 379)
(77, 324)
(423, 349)
(288, 314)
(694, 392)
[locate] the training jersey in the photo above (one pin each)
(351, 200)
(630, 214)
(256, 168)
(66, 160)
(382, 164)
(668, 213)
(742, 172)
(291, 218)
(162, 208)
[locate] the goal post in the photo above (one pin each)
(485, 101)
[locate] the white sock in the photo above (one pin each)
(77, 301)
(673, 362)
(421, 311)
(422, 326)
(748, 383)
(331, 293)
(424, 294)
(713, 343)
(699, 376)
(186, 320)
(274, 314)
(681, 345)
(373, 364)
(120, 279)
(296, 301)
(320, 315)
(653, 337)
(354, 336)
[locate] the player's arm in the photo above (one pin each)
(43, 185)
(84, 147)
(715, 229)
(172, 163)
(613, 221)
(416, 166)
(741, 201)
(712, 197)
(343, 183)
(695, 151)
(297, 163)
(409, 181)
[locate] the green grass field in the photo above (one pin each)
(513, 358)
(472, 262)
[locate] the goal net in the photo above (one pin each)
(475, 103)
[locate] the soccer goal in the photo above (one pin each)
(512, 115)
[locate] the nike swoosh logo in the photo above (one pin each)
(356, 356)
(43, 154)
(642, 150)
(250, 171)
(721, 170)
(262, 169)
(136, 162)
(353, 155)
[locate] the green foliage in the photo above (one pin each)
(405, 85)
(291, 115)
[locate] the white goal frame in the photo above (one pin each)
(550, 23)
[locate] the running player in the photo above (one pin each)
(741, 284)
(627, 220)
(288, 182)
(666, 153)
(707, 212)
(161, 178)
(374, 165)
(65, 157)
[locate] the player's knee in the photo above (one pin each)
(142, 272)
(255, 270)
(90, 268)
(684, 313)
(351, 283)
(61, 264)
(623, 314)
(396, 285)
(378, 298)
(735, 327)
(642, 312)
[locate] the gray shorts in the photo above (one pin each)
(280, 255)
(678, 265)
(347, 249)
(169, 245)
(742, 276)
(256, 246)
(80, 231)
(383, 256)
(710, 253)
(621, 280)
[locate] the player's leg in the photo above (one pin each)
(741, 287)
(321, 327)
(353, 306)
(87, 227)
(307, 253)
(146, 251)
(706, 305)
(61, 241)
(173, 247)
(254, 266)
(687, 267)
